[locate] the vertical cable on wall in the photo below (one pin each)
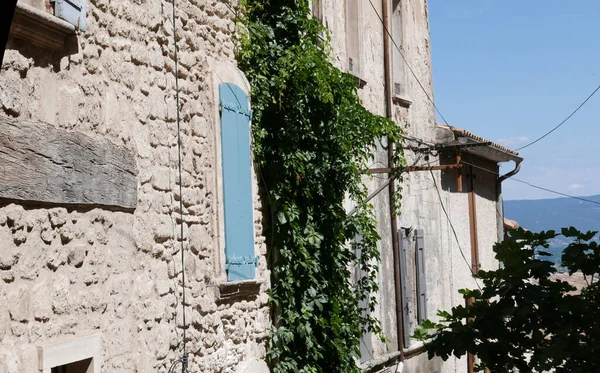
(184, 359)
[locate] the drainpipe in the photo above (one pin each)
(385, 6)
(511, 173)
(473, 222)
(471, 359)
(472, 201)
(501, 200)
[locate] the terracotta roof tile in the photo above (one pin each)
(459, 132)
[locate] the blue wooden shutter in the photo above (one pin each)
(237, 183)
(72, 11)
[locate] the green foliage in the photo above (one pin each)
(313, 141)
(523, 318)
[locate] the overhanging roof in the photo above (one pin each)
(488, 149)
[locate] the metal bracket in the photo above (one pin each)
(236, 109)
(241, 261)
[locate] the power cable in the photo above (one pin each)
(184, 359)
(440, 113)
(564, 121)
(535, 186)
(462, 253)
(408, 65)
(404, 136)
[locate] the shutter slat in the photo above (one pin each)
(237, 183)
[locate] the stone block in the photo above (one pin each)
(19, 304)
(77, 256)
(253, 365)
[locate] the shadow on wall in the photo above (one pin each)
(43, 57)
(484, 181)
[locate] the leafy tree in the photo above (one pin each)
(523, 318)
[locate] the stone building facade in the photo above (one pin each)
(444, 233)
(90, 219)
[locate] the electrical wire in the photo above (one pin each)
(563, 122)
(408, 65)
(410, 137)
(462, 253)
(404, 136)
(184, 360)
(534, 186)
(437, 109)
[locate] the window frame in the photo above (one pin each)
(399, 78)
(353, 44)
(317, 10)
(223, 73)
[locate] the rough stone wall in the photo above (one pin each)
(80, 271)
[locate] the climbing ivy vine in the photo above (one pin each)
(313, 142)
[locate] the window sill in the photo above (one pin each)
(360, 82)
(237, 290)
(380, 362)
(40, 28)
(403, 101)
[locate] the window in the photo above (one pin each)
(317, 10)
(399, 65)
(238, 210)
(77, 367)
(31, 22)
(79, 355)
(353, 36)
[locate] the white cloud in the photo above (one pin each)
(513, 141)
(576, 186)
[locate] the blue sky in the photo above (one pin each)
(510, 71)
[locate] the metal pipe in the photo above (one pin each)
(385, 5)
(459, 179)
(474, 248)
(511, 173)
(372, 195)
(500, 199)
(473, 223)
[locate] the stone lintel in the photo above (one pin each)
(69, 351)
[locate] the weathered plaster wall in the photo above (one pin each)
(421, 209)
(77, 272)
(488, 213)
(457, 205)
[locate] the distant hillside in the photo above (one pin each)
(545, 214)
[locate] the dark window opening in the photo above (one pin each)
(82, 366)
